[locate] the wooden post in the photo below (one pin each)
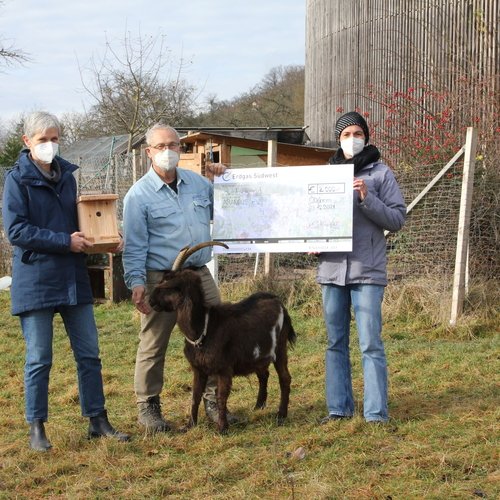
(463, 225)
(134, 166)
(115, 164)
(118, 291)
(79, 177)
(225, 153)
(272, 155)
(144, 161)
(213, 265)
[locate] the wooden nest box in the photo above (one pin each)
(97, 219)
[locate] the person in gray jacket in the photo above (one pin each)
(358, 278)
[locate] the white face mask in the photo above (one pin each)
(352, 146)
(166, 160)
(46, 151)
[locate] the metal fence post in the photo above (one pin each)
(272, 159)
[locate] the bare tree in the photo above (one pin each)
(9, 55)
(135, 84)
(78, 126)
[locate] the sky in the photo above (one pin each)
(229, 45)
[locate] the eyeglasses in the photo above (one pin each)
(169, 145)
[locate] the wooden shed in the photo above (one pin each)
(239, 152)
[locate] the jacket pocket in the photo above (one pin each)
(30, 257)
(366, 255)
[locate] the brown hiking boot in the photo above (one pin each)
(150, 416)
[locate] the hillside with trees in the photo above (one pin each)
(278, 100)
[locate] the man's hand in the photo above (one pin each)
(139, 299)
(79, 243)
(214, 169)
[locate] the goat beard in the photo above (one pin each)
(190, 324)
(184, 315)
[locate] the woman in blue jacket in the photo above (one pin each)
(358, 278)
(49, 276)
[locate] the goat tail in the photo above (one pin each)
(287, 324)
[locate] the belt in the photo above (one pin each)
(192, 268)
(195, 268)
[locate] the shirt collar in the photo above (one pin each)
(158, 182)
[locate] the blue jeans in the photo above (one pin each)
(38, 332)
(367, 304)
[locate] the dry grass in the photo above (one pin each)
(440, 443)
(425, 304)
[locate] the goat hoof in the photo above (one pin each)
(280, 419)
(187, 427)
(260, 406)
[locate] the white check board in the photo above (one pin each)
(284, 209)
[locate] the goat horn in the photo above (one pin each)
(180, 259)
(187, 252)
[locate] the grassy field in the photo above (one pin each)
(441, 442)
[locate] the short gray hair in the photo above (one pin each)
(160, 126)
(39, 122)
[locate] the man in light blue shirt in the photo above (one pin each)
(167, 209)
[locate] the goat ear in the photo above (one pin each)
(172, 280)
(167, 275)
(166, 281)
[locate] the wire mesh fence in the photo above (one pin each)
(425, 246)
(105, 174)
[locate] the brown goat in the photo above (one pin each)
(228, 339)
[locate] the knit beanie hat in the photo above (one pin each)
(351, 118)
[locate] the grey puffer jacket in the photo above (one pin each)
(383, 208)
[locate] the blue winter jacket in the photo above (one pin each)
(39, 218)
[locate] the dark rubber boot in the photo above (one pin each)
(38, 439)
(99, 426)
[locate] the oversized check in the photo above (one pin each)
(284, 209)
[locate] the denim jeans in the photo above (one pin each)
(38, 332)
(366, 301)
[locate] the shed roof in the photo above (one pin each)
(289, 135)
(288, 154)
(99, 146)
(104, 146)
